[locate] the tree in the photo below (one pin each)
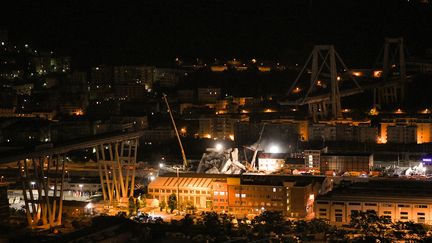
(269, 221)
(172, 202)
(132, 206)
(143, 201)
(137, 205)
(190, 208)
(162, 205)
(212, 224)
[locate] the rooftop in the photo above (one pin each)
(379, 190)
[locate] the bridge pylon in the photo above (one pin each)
(42, 180)
(388, 94)
(117, 165)
(323, 65)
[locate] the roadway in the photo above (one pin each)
(62, 148)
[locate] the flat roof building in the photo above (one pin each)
(401, 200)
(242, 195)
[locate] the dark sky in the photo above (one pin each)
(154, 32)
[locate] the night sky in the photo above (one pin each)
(155, 32)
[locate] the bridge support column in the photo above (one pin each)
(318, 110)
(389, 95)
(117, 164)
(42, 182)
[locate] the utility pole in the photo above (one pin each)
(185, 163)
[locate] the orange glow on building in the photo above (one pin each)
(296, 90)
(377, 73)
(425, 111)
(264, 69)
(357, 74)
(269, 110)
(78, 112)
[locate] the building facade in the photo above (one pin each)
(398, 200)
(241, 195)
(346, 162)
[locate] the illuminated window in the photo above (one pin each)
(274, 189)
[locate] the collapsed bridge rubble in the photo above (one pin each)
(224, 161)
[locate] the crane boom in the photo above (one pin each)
(257, 148)
(185, 163)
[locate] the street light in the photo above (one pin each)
(33, 184)
(274, 149)
(219, 147)
(161, 165)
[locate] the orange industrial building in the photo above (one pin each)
(242, 195)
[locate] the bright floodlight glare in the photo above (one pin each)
(274, 149)
(219, 146)
(89, 205)
(152, 178)
(161, 165)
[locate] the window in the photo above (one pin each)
(322, 209)
(156, 190)
(323, 214)
(162, 190)
(338, 210)
(404, 213)
(216, 193)
(421, 219)
(387, 212)
(421, 214)
(403, 205)
(222, 193)
(386, 205)
(320, 202)
(243, 195)
(274, 189)
(168, 191)
(237, 195)
(338, 203)
(351, 203)
(370, 204)
(421, 206)
(404, 217)
(150, 190)
(338, 217)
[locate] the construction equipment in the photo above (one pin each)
(185, 163)
(253, 166)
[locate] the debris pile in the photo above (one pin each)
(224, 161)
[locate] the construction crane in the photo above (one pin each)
(253, 166)
(185, 163)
